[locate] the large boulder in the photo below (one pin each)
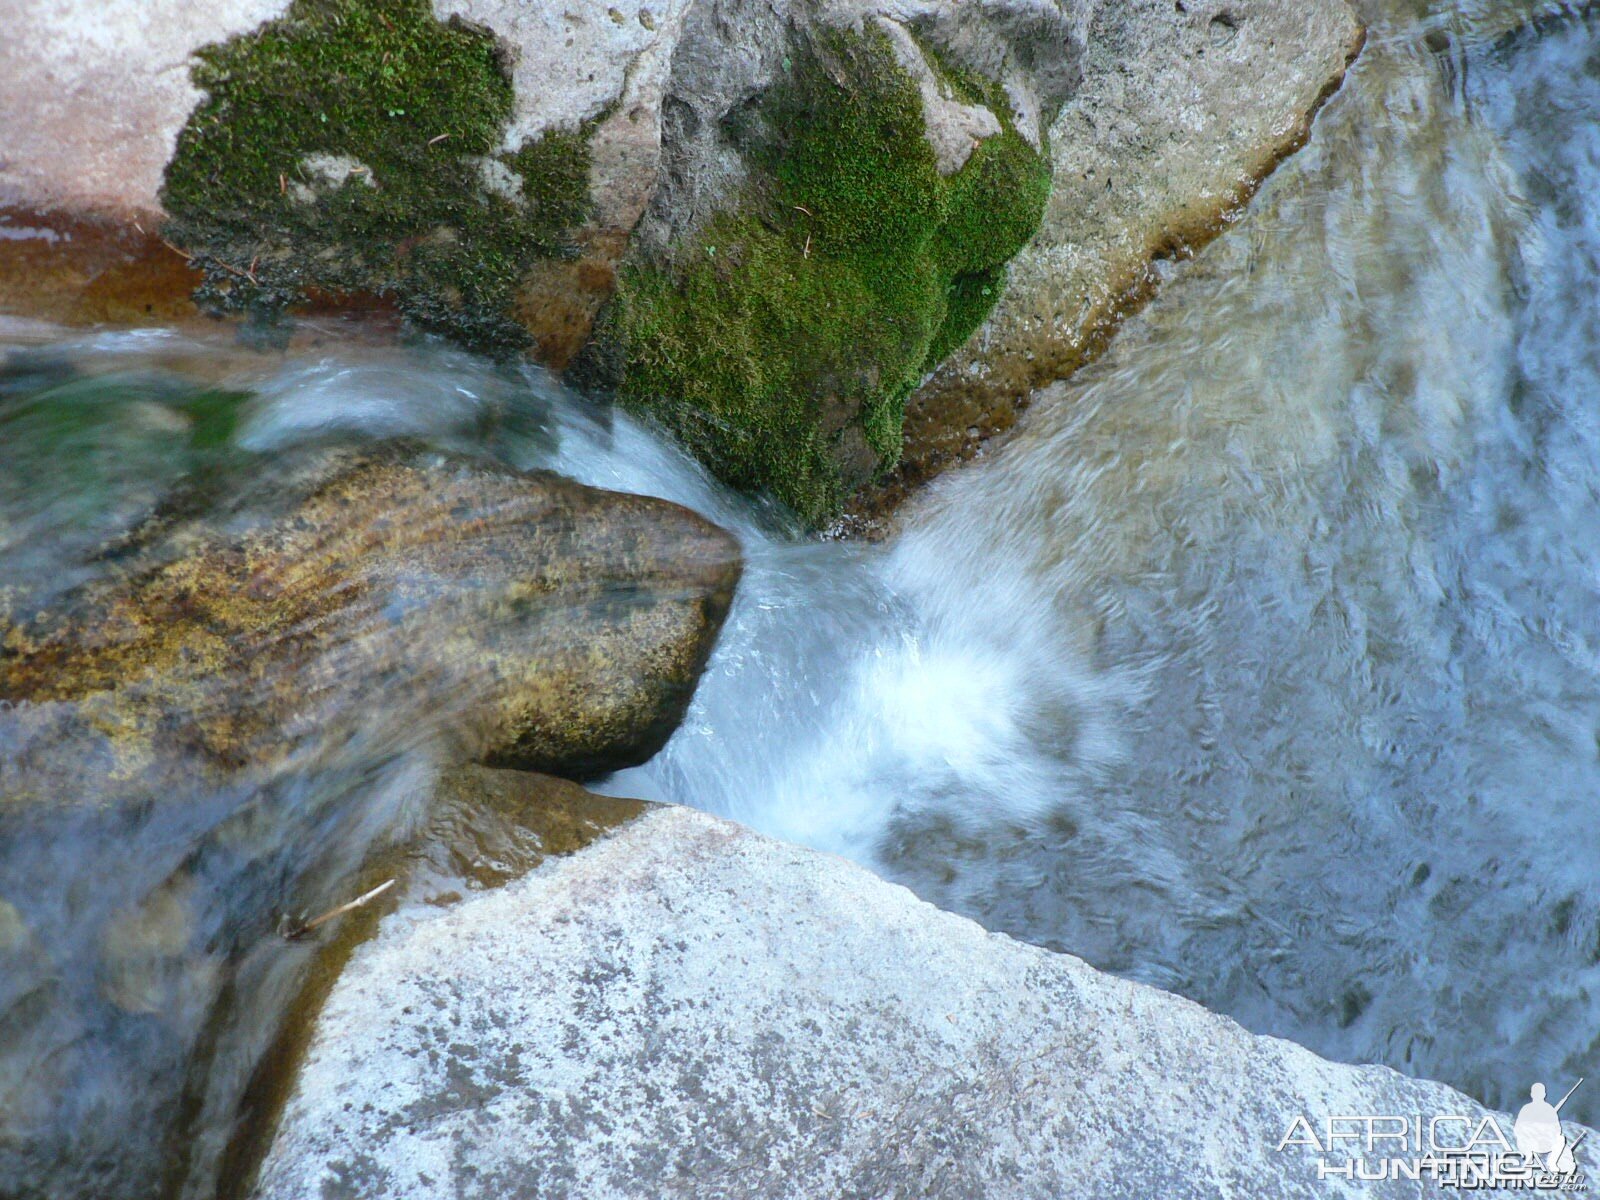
(1183, 109)
(530, 620)
(795, 209)
(842, 186)
(205, 744)
(291, 150)
(688, 1009)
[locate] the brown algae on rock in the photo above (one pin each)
(530, 620)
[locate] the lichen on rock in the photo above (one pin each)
(779, 343)
(356, 146)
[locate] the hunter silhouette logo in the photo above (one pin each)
(1467, 1151)
(1539, 1134)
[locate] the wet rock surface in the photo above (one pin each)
(537, 622)
(689, 1009)
(200, 750)
(577, 154)
(199, 983)
(1182, 110)
(484, 829)
(488, 827)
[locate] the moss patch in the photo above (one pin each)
(354, 146)
(781, 345)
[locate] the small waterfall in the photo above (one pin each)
(1262, 664)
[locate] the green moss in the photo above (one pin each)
(967, 303)
(83, 452)
(259, 187)
(994, 205)
(781, 345)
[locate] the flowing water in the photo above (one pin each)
(141, 909)
(1260, 664)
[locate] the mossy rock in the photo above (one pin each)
(356, 146)
(781, 342)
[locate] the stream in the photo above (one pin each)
(1262, 663)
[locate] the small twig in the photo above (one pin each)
(806, 252)
(434, 141)
(249, 273)
(283, 184)
(294, 933)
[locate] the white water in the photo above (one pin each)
(1261, 665)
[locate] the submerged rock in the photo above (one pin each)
(201, 748)
(531, 621)
(689, 1009)
(487, 827)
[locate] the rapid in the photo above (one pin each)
(1262, 663)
